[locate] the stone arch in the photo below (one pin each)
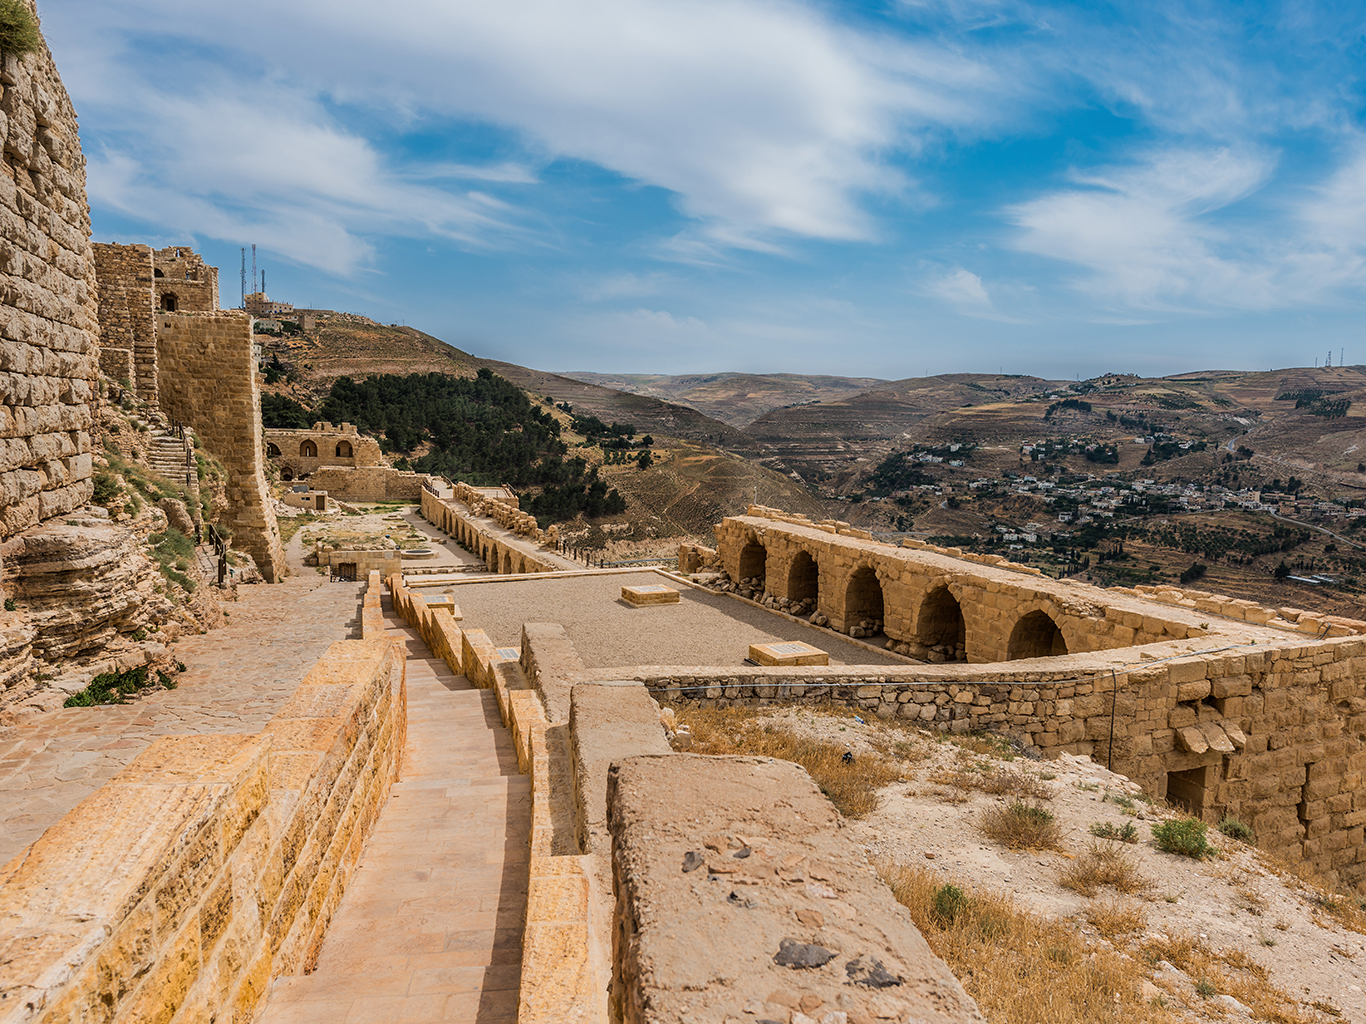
(158, 272)
(344, 450)
(1036, 635)
(272, 450)
(286, 474)
(753, 560)
(308, 450)
(803, 578)
(940, 625)
(863, 601)
(169, 302)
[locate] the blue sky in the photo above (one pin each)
(887, 189)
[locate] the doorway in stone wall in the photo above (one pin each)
(863, 603)
(941, 627)
(1035, 636)
(1187, 789)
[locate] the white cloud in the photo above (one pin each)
(964, 291)
(765, 119)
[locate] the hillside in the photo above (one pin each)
(735, 398)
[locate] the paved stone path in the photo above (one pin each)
(236, 678)
(430, 928)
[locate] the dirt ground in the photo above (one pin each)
(1236, 899)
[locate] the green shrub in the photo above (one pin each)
(10, 606)
(107, 489)
(18, 30)
(1235, 829)
(1184, 836)
(109, 688)
(1126, 833)
(950, 902)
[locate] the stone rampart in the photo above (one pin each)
(457, 518)
(208, 380)
(127, 315)
(49, 325)
(209, 866)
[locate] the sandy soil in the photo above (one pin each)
(1235, 899)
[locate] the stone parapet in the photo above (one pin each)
(211, 864)
(456, 518)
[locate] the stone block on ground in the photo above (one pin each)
(735, 886)
(654, 593)
(788, 652)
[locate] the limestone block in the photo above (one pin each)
(1215, 738)
(650, 594)
(1192, 739)
(791, 652)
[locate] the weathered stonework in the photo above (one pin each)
(128, 334)
(183, 282)
(48, 299)
(300, 453)
(451, 512)
(208, 380)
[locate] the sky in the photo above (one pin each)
(689, 186)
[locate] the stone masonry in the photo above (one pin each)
(208, 379)
(128, 334)
(303, 452)
(48, 301)
(183, 282)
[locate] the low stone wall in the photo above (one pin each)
(787, 916)
(456, 519)
(368, 483)
(211, 864)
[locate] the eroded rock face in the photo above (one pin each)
(82, 581)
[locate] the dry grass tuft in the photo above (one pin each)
(1115, 918)
(852, 788)
(1022, 826)
(1020, 966)
(994, 781)
(1230, 972)
(1104, 864)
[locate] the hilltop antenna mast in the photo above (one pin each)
(253, 268)
(244, 277)
(1328, 362)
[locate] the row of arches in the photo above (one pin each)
(499, 559)
(939, 625)
(309, 450)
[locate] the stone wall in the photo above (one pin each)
(211, 864)
(127, 320)
(183, 282)
(208, 381)
(371, 483)
(48, 299)
(300, 453)
(451, 514)
(940, 605)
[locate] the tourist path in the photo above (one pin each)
(430, 927)
(236, 678)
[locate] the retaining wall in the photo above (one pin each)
(456, 518)
(211, 864)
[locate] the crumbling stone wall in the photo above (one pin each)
(48, 299)
(128, 336)
(208, 380)
(299, 453)
(454, 516)
(183, 282)
(368, 483)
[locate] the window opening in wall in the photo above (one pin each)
(344, 450)
(941, 627)
(1035, 636)
(863, 602)
(168, 302)
(272, 450)
(308, 450)
(157, 272)
(1187, 789)
(286, 474)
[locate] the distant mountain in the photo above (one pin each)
(735, 398)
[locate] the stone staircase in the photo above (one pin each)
(173, 457)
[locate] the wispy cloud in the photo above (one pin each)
(964, 291)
